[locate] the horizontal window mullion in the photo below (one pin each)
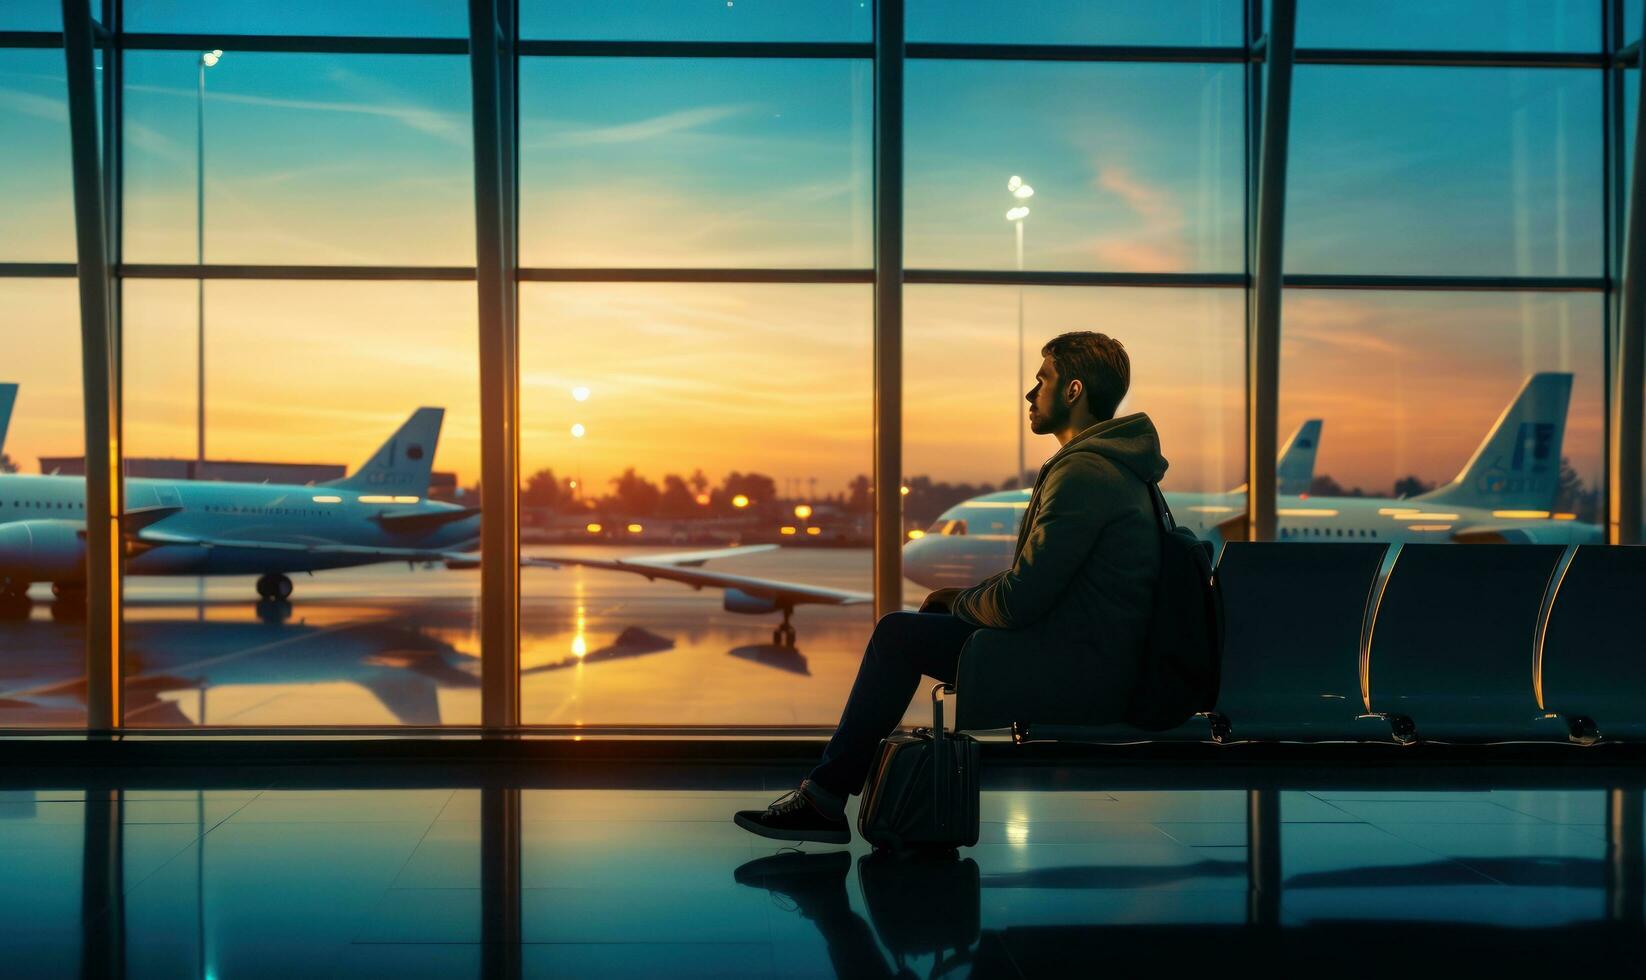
(295, 43)
(146, 270)
(986, 277)
(1192, 54)
(1542, 284)
(1449, 59)
(539, 274)
(31, 39)
(698, 49)
(37, 270)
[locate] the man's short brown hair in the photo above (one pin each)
(1099, 361)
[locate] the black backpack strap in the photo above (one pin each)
(1162, 510)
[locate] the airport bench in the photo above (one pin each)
(1455, 644)
(1451, 646)
(1591, 662)
(1293, 615)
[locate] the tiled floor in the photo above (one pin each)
(425, 882)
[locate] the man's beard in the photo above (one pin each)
(1045, 424)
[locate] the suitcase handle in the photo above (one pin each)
(938, 690)
(941, 745)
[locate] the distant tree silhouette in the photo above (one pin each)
(6, 464)
(860, 495)
(678, 499)
(927, 500)
(634, 495)
(1411, 486)
(1576, 497)
(543, 489)
(1323, 485)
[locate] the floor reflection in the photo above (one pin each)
(501, 881)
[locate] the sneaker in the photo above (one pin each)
(795, 817)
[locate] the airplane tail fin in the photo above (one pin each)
(403, 464)
(1296, 469)
(1517, 466)
(8, 399)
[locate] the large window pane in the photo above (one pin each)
(1410, 385)
(964, 407)
(36, 208)
(708, 414)
(313, 159)
(42, 638)
(304, 383)
(395, 18)
(1134, 167)
(33, 15)
(1076, 22)
(697, 20)
(686, 162)
(1464, 171)
(1454, 25)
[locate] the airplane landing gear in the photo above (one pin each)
(783, 636)
(274, 586)
(73, 591)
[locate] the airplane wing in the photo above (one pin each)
(154, 537)
(683, 567)
(687, 573)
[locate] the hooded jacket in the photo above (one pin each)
(1087, 559)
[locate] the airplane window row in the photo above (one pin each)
(47, 505)
(1324, 532)
(268, 510)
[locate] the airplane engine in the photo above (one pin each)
(42, 551)
(738, 601)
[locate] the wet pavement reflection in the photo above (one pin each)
(395, 646)
(505, 881)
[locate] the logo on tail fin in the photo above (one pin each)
(402, 464)
(1517, 466)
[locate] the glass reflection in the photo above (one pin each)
(36, 211)
(661, 420)
(1135, 167)
(1452, 25)
(332, 493)
(310, 159)
(40, 396)
(965, 416)
(1449, 171)
(722, 162)
(1197, 22)
(629, 20)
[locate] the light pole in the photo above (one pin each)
(1022, 192)
(579, 394)
(207, 59)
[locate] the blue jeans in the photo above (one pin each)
(904, 646)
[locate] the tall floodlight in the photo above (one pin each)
(207, 60)
(1021, 192)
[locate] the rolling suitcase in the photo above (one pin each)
(922, 792)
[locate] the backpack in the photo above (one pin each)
(1183, 656)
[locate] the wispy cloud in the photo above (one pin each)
(684, 120)
(449, 127)
(29, 104)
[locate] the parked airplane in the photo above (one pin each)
(186, 527)
(1505, 493)
(377, 514)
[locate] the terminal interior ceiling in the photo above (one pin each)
(371, 311)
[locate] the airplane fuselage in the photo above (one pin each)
(975, 539)
(46, 513)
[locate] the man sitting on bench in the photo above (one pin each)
(1080, 587)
